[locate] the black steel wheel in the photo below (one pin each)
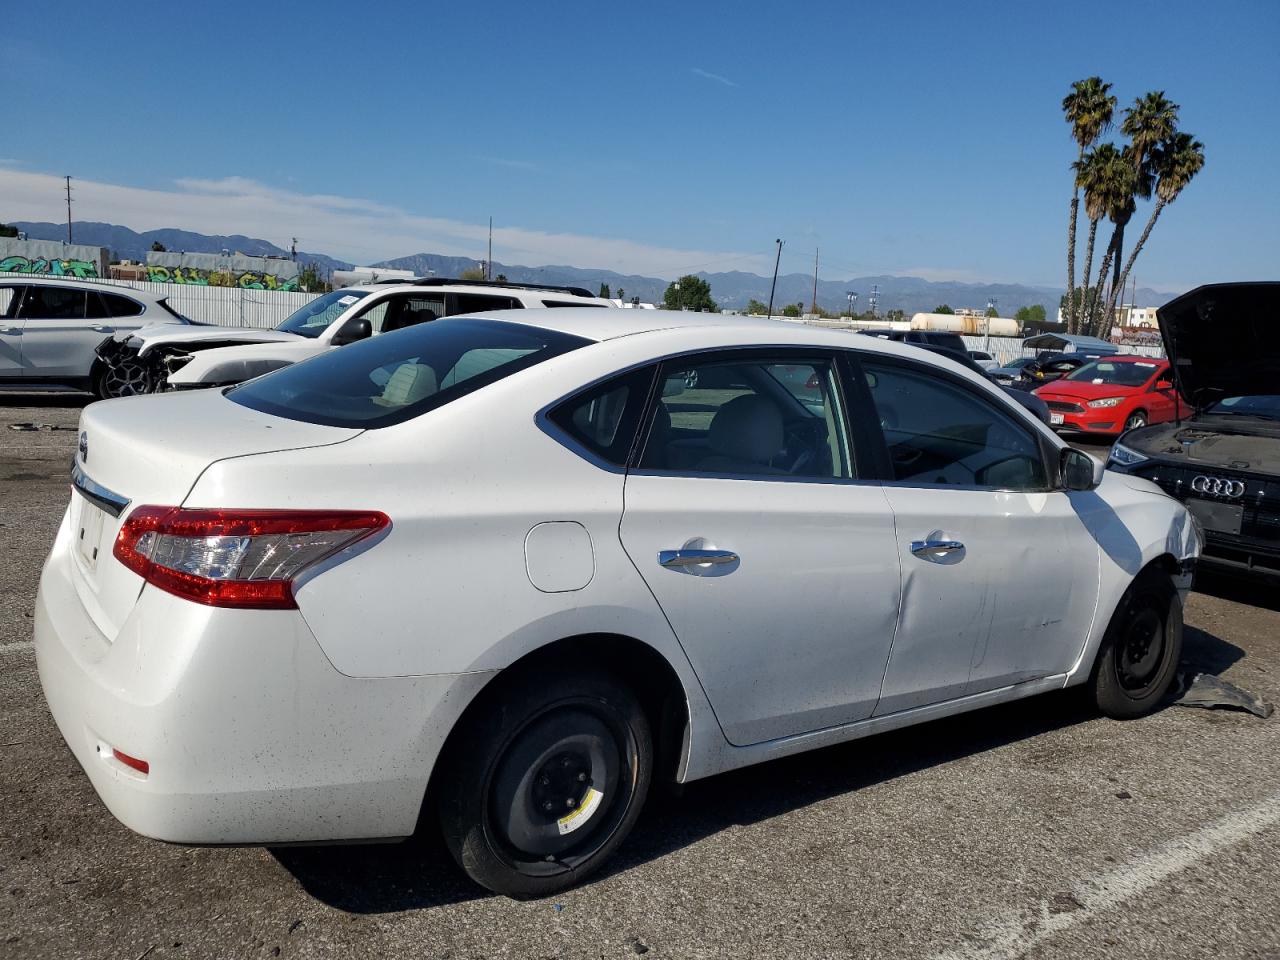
(543, 780)
(1139, 652)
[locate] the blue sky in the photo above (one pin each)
(655, 138)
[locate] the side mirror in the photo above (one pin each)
(356, 329)
(1079, 471)
(1163, 384)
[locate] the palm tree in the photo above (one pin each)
(1151, 120)
(1116, 192)
(1175, 162)
(1088, 108)
(1091, 177)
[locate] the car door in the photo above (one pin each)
(10, 331)
(1161, 399)
(60, 331)
(999, 574)
(122, 312)
(774, 563)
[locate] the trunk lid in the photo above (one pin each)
(1222, 340)
(151, 450)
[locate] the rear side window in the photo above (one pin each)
(479, 302)
(53, 303)
(604, 418)
(386, 380)
(566, 303)
(118, 306)
(9, 297)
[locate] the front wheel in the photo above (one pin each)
(544, 779)
(1139, 652)
(128, 378)
(1136, 419)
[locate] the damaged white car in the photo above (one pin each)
(180, 356)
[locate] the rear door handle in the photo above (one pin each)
(10, 331)
(936, 550)
(103, 329)
(675, 559)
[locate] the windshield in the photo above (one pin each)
(397, 376)
(1266, 407)
(314, 318)
(1132, 373)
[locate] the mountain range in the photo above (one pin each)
(731, 290)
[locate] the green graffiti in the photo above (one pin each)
(193, 276)
(55, 268)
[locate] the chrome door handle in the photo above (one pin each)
(935, 549)
(10, 331)
(674, 559)
(102, 329)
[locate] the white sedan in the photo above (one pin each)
(518, 568)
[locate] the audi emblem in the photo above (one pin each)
(1218, 487)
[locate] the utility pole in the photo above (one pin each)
(813, 306)
(852, 297)
(873, 301)
(68, 179)
(488, 264)
(293, 248)
(986, 326)
(774, 286)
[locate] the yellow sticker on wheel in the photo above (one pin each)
(573, 820)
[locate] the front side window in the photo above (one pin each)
(399, 312)
(386, 380)
(939, 432)
(53, 303)
(768, 417)
(314, 318)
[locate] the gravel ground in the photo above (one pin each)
(1034, 829)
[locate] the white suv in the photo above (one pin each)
(174, 356)
(50, 326)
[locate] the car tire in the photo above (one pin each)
(130, 378)
(1139, 652)
(543, 779)
(1136, 420)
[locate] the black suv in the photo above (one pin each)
(1224, 461)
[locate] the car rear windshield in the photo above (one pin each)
(1131, 373)
(397, 376)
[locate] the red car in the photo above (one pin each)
(1113, 394)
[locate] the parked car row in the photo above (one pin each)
(507, 571)
(117, 341)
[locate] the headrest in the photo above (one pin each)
(409, 383)
(747, 428)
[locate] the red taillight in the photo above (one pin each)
(236, 558)
(140, 765)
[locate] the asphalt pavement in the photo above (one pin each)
(1035, 829)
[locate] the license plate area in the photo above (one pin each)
(89, 521)
(1218, 517)
(1055, 419)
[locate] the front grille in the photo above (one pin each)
(1064, 407)
(1261, 498)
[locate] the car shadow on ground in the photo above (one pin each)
(68, 400)
(419, 873)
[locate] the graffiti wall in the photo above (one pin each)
(51, 258)
(216, 270)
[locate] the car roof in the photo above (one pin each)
(695, 330)
(92, 283)
(489, 289)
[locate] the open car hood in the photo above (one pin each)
(1223, 340)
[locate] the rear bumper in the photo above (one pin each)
(251, 734)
